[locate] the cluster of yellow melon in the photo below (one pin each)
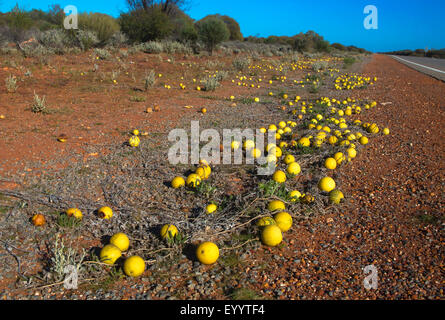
(134, 140)
(352, 81)
(272, 228)
(193, 180)
(133, 266)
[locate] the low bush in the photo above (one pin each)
(103, 25)
(241, 63)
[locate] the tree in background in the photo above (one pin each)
(157, 19)
(300, 43)
(212, 31)
(232, 25)
(166, 6)
(142, 26)
(102, 24)
(18, 22)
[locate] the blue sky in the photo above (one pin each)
(408, 24)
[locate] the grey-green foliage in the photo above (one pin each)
(149, 79)
(241, 63)
(87, 39)
(11, 83)
(39, 105)
(212, 31)
(55, 38)
(210, 84)
(118, 40)
(152, 47)
(63, 257)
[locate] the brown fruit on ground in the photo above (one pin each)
(38, 220)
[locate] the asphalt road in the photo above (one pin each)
(430, 66)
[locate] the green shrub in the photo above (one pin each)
(11, 83)
(18, 21)
(153, 47)
(171, 47)
(149, 79)
(143, 26)
(319, 65)
(232, 25)
(188, 33)
(103, 54)
(210, 84)
(56, 39)
(103, 25)
(38, 51)
(212, 31)
(241, 63)
(118, 40)
(221, 75)
(86, 39)
(348, 61)
(39, 105)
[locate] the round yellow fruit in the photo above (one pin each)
(304, 142)
(105, 213)
(330, 163)
(248, 144)
(385, 131)
(109, 254)
(276, 151)
(294, 195)
(235, 145)
(283, 220)
(121, 241)
(168, 231)
(289, 159)
(279, 176)
(134, 141)
(332, 140)
(178, 182)
(293, 168)
(271, 236)
(265, 221)
(339, 157)
(363, 140)
(270, 146)
(326, 184)
(193, 180)
(74, 212)
(255, 153)
(335, 196)
(135, 132)
(203, 171)
(207, 252)
(211, 208)
(276, 205)
(352, 153)
(134, 266)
